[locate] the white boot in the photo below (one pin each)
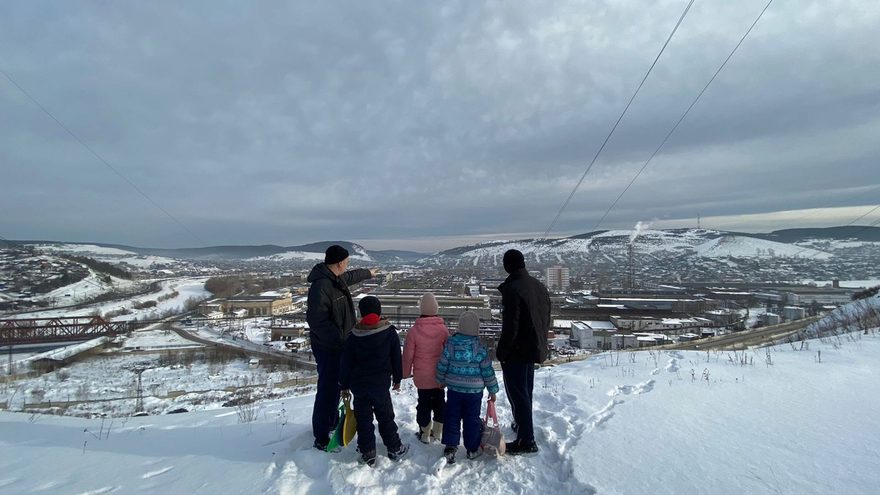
(425, 433)
(437, 433)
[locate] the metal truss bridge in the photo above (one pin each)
(45, 330)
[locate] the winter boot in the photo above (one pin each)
(449, 454)
(424, 433)
(471, 455)
(437, 431)
(368, 458)
(399, 453)
(321, 444)
(518, 447)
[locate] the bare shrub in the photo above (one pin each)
(170, 295)
(246, 407)
(145, 304)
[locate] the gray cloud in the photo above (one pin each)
(293, 123)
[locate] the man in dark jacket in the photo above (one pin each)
(330, 315)
(525, 322)
(370, 364)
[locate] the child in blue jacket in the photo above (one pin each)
(465, 369)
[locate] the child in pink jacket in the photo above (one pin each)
(421, 351)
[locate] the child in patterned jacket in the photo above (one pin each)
(465, 369)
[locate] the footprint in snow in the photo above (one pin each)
(159, 472)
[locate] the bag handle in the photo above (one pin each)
(490, 413)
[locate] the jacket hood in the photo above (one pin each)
(462, 338)
(362, 330)
(320, 271)
(432, 320)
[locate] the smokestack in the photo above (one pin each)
(638, 230)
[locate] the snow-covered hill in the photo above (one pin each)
(641, 422)
(358, 253)
(613, 245)
(745, 247)
(107, 254)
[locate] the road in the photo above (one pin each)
(34, 312)
(747, 338)
(250, 349)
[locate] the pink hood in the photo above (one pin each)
(422, 349)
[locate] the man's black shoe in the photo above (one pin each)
(368, 458)
(321, 444)
(518, 447)
(399, 453)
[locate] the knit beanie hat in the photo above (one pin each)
(371, 310)
(428, 305)
(513, 261)
(469, 324)
(335, 254)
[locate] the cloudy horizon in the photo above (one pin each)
(417, 126)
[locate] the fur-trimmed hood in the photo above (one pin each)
(362, 329)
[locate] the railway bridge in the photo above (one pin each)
(48, 330)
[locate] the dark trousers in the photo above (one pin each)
(463, 412)
(325, 414)
(431, 400)
(375, 401)
(519, 381)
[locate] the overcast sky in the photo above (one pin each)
(422, 125)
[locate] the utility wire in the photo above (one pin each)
(864, 215)
(608, 137)
(100, 158)
(835, 205)
(693, 103)
(874, 224)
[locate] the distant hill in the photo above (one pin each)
(613, 246)
(609, 245)
(848, 233)
(396, 256)
(208, 253)
(304, 253)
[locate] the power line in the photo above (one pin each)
(836, 205)
(608, 137)
(874, 224)
(100, 158)
(864, 215)
(693, 103)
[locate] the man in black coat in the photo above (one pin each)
(525, 322)
(330, 315)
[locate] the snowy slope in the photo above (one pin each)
(87, 288)
(84, 249)
(186, 288)
(834, 244)
(698, 243)
(743, 247)
(107, 254)
(358, 254)
(640, 422)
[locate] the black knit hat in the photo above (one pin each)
(370, 305)
(335, 254)
(513, 261)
